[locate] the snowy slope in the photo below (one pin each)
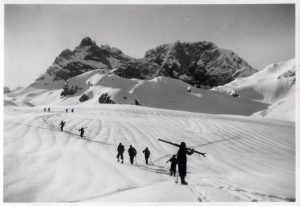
(160, 92)
(268, 93)
(248, 159)
(274, 85)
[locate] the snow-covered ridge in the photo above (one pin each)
(274, 85)
(160, 92)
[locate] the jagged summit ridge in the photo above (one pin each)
(200, 64)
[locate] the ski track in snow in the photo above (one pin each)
(237, 150)
(237, 193)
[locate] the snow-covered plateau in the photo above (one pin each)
(247, 159)
(246, 128)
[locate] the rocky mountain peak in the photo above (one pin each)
(87, 41)
(200, 64)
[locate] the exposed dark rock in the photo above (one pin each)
(84, 98)
(128, 70)
(72, 69)
(136, 102)
(105, 99)
(69, 91)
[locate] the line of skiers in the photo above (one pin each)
(179, 159)
(72, 110)
(45, 109)
(81, 130)
(48, 109)
(132, 153)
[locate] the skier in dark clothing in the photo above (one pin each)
(49, 109)
(81, 130)
(147, 154)
(66, 110)
(45, 109)
(121, 150)
(132, 153)
(174, 162)
(181, 157)
(62, 124)
(72, 110)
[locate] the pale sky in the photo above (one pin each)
(35, 34)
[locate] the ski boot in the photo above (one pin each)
(184, 183)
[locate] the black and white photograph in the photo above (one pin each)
(149, 102)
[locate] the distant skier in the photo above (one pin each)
(147, 154)
(67, 110)
(48, 109)
(72, 110)
(132, 153)
(62, 124)
(81, 130)
(174, 162)
(121, 150)
(182, 160)
(45, 109)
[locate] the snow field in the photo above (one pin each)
(248, 159)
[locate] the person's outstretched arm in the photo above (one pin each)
(190, 152)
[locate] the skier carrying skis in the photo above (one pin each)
(132, 153)
(174, 162)
(121, 150)
(62, 124)
(81, 130)
(182, 160)
(147, 154)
